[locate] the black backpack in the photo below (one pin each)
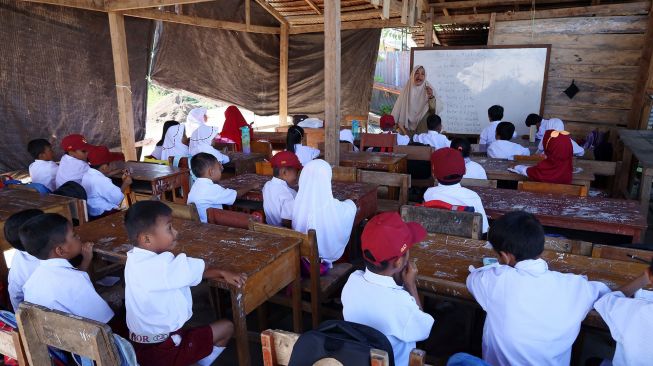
(349, 343)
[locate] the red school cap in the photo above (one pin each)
(75, 142)
(387, 121)
(99, 155)
(285, 159)
(447, 165)
(387, 236)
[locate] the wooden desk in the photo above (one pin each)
(312, 136)
(271, 262)
(277, 139)
(389, 162)
(498, 169)
(443, 268)
(155, 179)
(243, 163)
(604, 215)
(640, 144)
(363, 195)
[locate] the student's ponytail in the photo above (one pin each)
(293, 137)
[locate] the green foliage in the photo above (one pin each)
(378, 79)
(385, 109)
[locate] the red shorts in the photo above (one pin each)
(196, 343)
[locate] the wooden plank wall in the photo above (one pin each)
(601, 53)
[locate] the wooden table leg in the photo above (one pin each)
(297, 302)
(240, 326)
(624, 176)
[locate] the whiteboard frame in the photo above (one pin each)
(447, 48)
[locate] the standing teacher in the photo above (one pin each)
(415, 103)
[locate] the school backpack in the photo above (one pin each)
(349, 343)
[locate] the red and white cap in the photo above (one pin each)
(387, 236)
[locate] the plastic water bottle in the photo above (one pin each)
(354, 128)
(244, 131)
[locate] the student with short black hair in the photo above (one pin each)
(473, 170)
(294, 145)
(158, 297)
(433, 137)
(384, 296)
(103, 196)
(628, 312)
(495, 115)
(55, 283)
(503, 148)
(533, 314)
(278, 197)
(206, 192)
(23, 264)
(43, 170)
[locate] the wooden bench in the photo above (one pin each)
(11, 345)
(434, 220)
(541, 187)
(343, 174)
(397, 180)
(470, 182)
(229, 218)
(621, 253)
(381, 140)
(186, 212)
(262, 147)
(417, 153)
(528, 158)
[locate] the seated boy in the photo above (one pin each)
(387, 124)
(278, 197)
(489, 133)
(206, 192)
(433, 137)
(544, 125)
(503, 148)
(43, 170)
(473, 170)
(158, 296)
(384, 296)
(630, 320)
(103, 195)
(73, 163)
(55, 283)
(533, 314)
(448, 168)
(23, 264)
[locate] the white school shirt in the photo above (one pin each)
(456, 194)
(306, 153)
(433, 138)
(156, 153)
(70, 169)
(22, 267)
(504, 149)
(157, 290)
(578, 150)
(57, 285)
(533, 314)
(474, 170)
(630, 321)
(489, 133)
(549, 124)
(206, 194)
(378, 302)
(402, 140)
(278, 201)
(44, 172)
(101, 194)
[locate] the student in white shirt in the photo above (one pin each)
(278, 197)
(23, 263)
(374, 298)
(55, 283)
(473, 170)
(201, 140)
(347, 136)
(544, 125)
(158, 149)
(158, 297)
(206, 192)
(102, 195)
(448, 167)
(175, 142)
(433, 137)
(43, 170)
(503, 148)
(630, 320)
(74, 163)
(533, 314)
(294, 145)
(495, 115)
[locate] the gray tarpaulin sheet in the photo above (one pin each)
(243, 68)
(57, 77)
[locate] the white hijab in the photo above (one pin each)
(412, 104)
(172, 142)
(196, 116)
(201, 141)
(315, 208)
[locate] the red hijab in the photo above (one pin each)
(234, 120)
(558, 165)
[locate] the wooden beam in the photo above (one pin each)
(359, 24)
(641, 101)
(385, 13)
(444, 10)
(120, 5)
(404, 11)
(314, 7)
(272, 11)
(123, 85)
(467, 4)
(428, 30)
(283, 75)
(97, 5)
(490, 34)
(248, 19)
(199, 22)
(411, 12)
(332, 81)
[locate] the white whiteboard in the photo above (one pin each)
(468, 81)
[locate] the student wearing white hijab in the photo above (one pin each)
(202, 138)
(173, 142)
(347, 136)
(416, 102)
(315, 208)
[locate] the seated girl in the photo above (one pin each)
(202, 138)
(558, 165)
(294, 144)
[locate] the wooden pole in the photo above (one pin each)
(283, 75)
(428, 30)
(493, 24)
(332, 81)
(641, 101)
(123, 85)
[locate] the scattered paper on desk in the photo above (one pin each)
(513, 170)
(108, 281)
